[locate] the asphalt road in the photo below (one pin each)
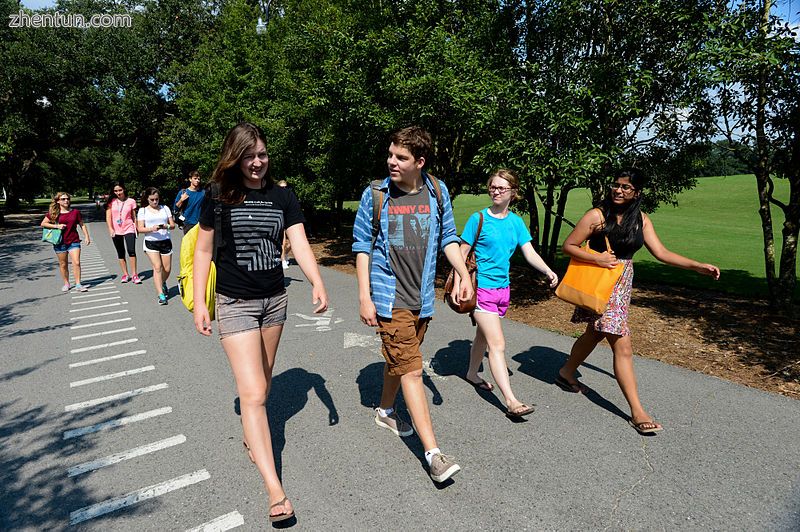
(116, 415)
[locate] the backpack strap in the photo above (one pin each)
(437, 189)
(213, 191)
(377, 206)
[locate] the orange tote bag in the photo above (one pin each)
(587, 285)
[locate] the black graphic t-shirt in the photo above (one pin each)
(249, 262)
(409, 226)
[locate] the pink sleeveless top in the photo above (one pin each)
(122, 216)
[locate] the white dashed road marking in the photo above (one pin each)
(111, 376)
(125, 455)
(134, 497)
(119, 422)
(117, 397)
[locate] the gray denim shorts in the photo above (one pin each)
(236, 316)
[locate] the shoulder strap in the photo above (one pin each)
(603, 223)
(218, 241)
(377, 204)
(437, 189)
(377, 207)
(477, 233)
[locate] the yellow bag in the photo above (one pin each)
(587, 285)
(186, 277)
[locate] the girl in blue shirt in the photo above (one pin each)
(502, 232)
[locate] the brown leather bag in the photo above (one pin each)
(465, 307)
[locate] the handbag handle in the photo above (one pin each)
(477, 233)
(603, 223)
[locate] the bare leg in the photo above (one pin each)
(123, 266)
(492, 330)
(156, 262)
(476, 353)
(75, 258)
(252, 357)
(626, 377)
(133, 265)
(63, 267)
(391, 385)
(581, 349)
(166, 263)
(414, 394)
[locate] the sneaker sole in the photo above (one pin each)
(452, 470)
(393, 430)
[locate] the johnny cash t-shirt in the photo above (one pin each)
(409, 226)
(249, 262)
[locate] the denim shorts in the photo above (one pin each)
(236, 316)
(63, 248)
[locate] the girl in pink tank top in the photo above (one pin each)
(121, 222)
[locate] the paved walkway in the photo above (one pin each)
(115, 415)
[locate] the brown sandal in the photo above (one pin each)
(281, 516)
(645, 431)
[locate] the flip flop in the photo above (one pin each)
(281, 516)
(524, 411)
(567, 386)
(645, 431)
(482, 385)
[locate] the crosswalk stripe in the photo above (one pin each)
(117, 397)
(125, 455)
(111, 376)
(119, 422)
(134, 497)
(221, 523)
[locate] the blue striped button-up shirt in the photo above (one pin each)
(382, 278)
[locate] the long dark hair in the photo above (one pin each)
(227, 174)
(112, 196)
(624, 232)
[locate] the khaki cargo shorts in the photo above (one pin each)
(402, 336)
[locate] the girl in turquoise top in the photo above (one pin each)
(500, 235)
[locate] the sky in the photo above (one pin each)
(786, 8)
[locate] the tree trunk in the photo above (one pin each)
(548, 218)
(762, 171)
(533, 213)
(560, 208)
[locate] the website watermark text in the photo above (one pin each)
(71, 20)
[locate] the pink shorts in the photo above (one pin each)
(493, 300)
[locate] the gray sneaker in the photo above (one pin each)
(443, 467)
(394, 423)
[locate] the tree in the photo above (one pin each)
(754, 73)
(599, 84)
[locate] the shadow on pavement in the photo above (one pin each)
(288, 396)
(454, 360)
(36, 492)
(543, 363)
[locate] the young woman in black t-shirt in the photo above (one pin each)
(251, 298)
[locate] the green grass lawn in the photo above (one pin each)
(44, 202)
(717, 222)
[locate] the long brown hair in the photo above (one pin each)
(55, 207)
(227, 174)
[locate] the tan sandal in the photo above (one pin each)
(281, 516)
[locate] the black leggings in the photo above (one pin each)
(122, 241)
